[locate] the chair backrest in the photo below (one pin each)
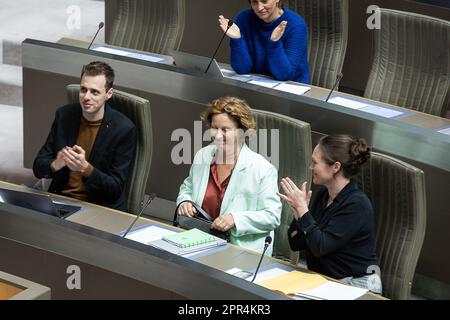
(411, 64)
(154, 26)
(397, 192)
(137, 110)
(294, 154)
(327, 22)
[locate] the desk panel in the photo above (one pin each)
(41, 248)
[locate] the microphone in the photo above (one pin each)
(230, 23)
(151, 197)
(339, 77)
(266, 244)
(100, 26)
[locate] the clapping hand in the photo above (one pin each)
(233, 32)
(278, 32)
(297, 198)
(75, 158)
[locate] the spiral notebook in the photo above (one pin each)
(189, 238)
(188, 241)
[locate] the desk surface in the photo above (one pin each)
(113, 221)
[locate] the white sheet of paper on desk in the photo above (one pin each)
(136, 55)
(348, 103)
(292, 88)
(150, 233)
(333, 291)
(382, 112)
(445, 131)
(265, 275)
(227, 73)
(268, 83)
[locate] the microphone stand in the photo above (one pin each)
(100, 26)
(151, 197)
(338, 79)
(260, 260)
(230, 23)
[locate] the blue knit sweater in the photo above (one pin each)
(254, 52)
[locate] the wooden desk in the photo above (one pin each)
(87, 239)
(7, 291)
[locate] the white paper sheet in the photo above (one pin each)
(264, 275)
(150, 233)
(333, 291)
(382, 112)
(140, 56)
(235, 76)
(348, 103)
(292, 88)
(445, 131)
(268, 83)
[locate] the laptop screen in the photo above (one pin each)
(36, 202)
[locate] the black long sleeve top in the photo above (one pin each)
(339, 239)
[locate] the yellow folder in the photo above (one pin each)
(292, 282)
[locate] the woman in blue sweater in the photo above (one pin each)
(269, 39)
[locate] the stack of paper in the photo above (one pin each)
(149, 233)
(187, 242)
(311, 286)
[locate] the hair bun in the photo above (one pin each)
(360, 151)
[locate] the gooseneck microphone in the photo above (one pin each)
(266, 244)
(100, 26)
(151, 197)
(230, 23)
(339, 77)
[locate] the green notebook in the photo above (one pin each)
(189, 238)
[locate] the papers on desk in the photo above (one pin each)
(383, 112)
(233, 75)
(445, 131)
(311, 286)
(192, 246)
(365, 107)
(148, 234)
(348, 103)
(293, 88)
(266, 82)
(268, 274)
(332, 291)
(126, 53)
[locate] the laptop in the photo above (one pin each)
(196, 63)
(37, 202)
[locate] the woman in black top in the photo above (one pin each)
(337, 229)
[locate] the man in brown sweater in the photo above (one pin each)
(91, 146)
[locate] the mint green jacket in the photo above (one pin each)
(251, 196)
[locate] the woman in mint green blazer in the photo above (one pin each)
(235, 185)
